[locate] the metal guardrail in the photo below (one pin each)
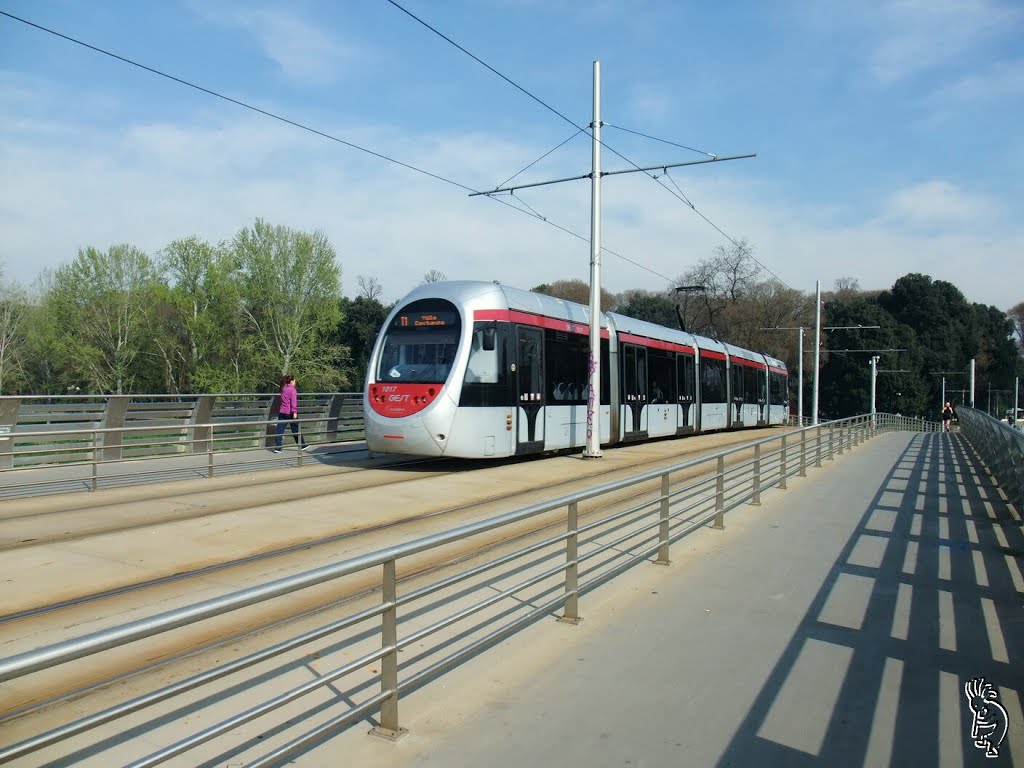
(550, 572)
(47, 432)
(1001, 448)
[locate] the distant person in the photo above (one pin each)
(947, 417)
(288, 412)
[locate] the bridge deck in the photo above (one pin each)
(834, 625)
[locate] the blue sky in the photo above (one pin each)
(888, 135)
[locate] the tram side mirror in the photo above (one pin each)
(488, 339)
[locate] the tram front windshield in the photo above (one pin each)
(420, 343)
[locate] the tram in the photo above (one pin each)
(481, 370)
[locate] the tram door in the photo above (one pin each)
(529, 389)
(737, 392)
(634, 391)
(686, 392)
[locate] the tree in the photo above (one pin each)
(197, 308)
(576, 291)
(952, 332)
(648, 305)
(363, 318)
(1016, 315)
(434, 276)
(100, 308)
(728, 277)
(290, 296)
(14, 311)
(845, 388)
(369, 287)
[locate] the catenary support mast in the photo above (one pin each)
(593, 449)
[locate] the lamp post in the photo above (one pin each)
(817, 349)
(874, 377)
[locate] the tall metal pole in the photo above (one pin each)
(800, 379)
(970, 395)
(593, 449)
(874, 376)
(817, 348)
(942, 402)
(1016, 388)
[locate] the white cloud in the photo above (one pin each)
(916, 35)
(941, 206)
(153, 183)
(305, 53)
(998, 83)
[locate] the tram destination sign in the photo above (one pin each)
(413, 320)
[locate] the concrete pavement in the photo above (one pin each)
(835, 625)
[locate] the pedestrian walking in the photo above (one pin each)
(288, 412)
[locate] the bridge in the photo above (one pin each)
(824, 596)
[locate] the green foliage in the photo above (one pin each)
(235, 316)
(15, 313)
(647, 305)
(102, 321)
(290, 289)
(196, 312)
(951, 332)
(845, 388)
(363, 318)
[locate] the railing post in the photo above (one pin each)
(9, 407)
(95, 463)
(200, 423)
(333, 413)
(756, 500)
(209, 459)
(572, 568)
(270, 421)
(842, 436)
(803, 453)
(389, 727)
(720, 495)
(817, 459)
(831, 442)
(663, 525)
(783, 469)
(113, 418)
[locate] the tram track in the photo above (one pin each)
(313, 488)
(116, 603)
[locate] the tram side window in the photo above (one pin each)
(484, 365)
(660, 383)
(565, 357)
(751, 390)
(779, 388)
(712, 380)
(487, 381)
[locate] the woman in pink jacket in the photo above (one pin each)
(289, 411)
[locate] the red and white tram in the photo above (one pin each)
(480, 370)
